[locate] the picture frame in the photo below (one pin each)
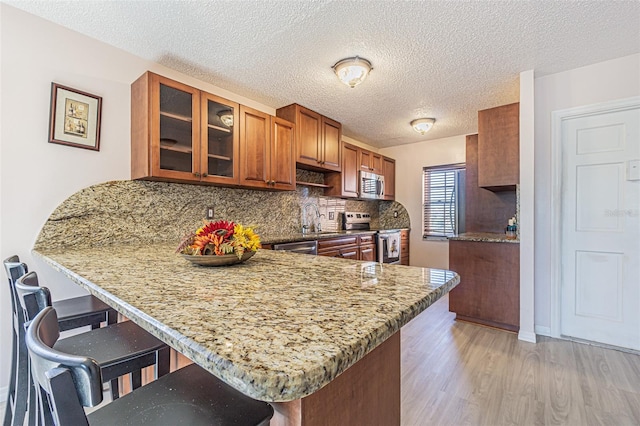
(74, 118)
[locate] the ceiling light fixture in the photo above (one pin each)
(423, 125)
(352, 71)
(226, 117)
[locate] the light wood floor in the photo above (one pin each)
(456, 373)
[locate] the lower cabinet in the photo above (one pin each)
(404, 247)
(355, 247)
(367, 248)
(489, 289)
(346, 247)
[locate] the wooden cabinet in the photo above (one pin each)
(389, 173)
(266, 151)
(317, 138)
(344, 184)
(355, 247)
(499, 147)
(181, 134)
(404, 247)
(489, 289)
(283, 154)
(346, 247)
(367, 248)
(370, 161)
(485, 210)
(331, 147)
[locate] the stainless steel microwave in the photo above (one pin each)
(371, 185)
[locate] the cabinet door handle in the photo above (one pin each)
(197, 174)
(273, 182)
(204, 175)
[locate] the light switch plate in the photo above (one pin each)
(633, 170)
(209, 213)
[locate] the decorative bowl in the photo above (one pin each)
(213, 260)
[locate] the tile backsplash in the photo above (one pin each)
(135, 211)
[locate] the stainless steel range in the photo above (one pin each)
(356, 221)
(387, 242)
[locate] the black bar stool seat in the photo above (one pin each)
(75, 312)
(121, 348)
(116, 348)
(189, 396)
(83, 310)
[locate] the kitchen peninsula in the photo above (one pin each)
(316, 336)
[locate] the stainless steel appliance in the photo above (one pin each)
(304, 247)
(388, 246)
(353, 221)
(387, 242)
(371, 185)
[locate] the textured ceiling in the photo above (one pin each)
(442, 59)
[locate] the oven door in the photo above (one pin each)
(389, 247)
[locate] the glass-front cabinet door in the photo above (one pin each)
(219, 139)
(176, 133)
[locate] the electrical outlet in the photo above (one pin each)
(395, 213)
(209, 213)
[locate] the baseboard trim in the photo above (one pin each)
(3, 394)
(543, 331)
(527, 336)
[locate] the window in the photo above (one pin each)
(443, 200)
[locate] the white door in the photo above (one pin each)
(601, 228)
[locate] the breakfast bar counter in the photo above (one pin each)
(278, 327)
(317, 337)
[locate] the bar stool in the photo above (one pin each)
(75, 312)
(189, 396)
(121, 348)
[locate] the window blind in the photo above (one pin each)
(443, 195)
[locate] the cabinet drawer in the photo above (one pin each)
(337, 243)
(366, 239)
(368, 252)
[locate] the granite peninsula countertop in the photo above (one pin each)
(485, 237)
(277, 327)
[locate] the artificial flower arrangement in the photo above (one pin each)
(220, 238)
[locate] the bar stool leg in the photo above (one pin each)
(163, 362)
(16, 407)
(11, 395)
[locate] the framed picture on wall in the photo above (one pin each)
(74, 118)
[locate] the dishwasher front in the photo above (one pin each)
(304, 247)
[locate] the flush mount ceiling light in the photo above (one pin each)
(352, 71)
(423, 125)
(226, 117)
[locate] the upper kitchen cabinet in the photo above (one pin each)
(498, 147)
(389, 173)
(219, 145)
(317, 138)
(345, 183)
(181, 134)
(266, 151)
(370, 161)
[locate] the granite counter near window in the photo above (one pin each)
(485, 237)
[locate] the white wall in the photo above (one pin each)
(410, 159)
(601, 82)
(36, 176)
